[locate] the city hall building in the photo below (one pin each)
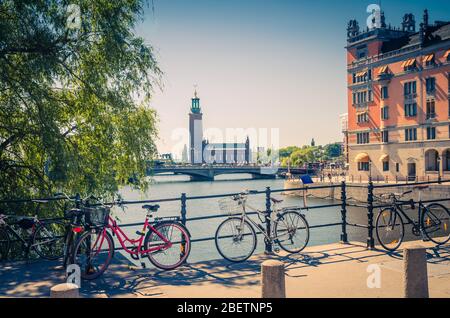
(202, 151)
(398, 100)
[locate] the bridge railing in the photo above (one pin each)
(342, 202)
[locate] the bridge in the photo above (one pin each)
(207, 173)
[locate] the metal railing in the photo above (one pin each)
(342, 202)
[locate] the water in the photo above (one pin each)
(172, 186)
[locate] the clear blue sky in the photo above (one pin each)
(262, 64)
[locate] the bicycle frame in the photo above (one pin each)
(398, 207)
(124, 239)
(263, 213)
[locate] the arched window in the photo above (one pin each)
(446, 160)
(431, 160)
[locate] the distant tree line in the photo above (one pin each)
(298, 156)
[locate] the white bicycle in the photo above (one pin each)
(236, 237)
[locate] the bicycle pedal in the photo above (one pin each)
(276, 250)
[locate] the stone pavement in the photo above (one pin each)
(334, 270)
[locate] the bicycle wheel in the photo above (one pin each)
(48, 240)
(93, 252)
(292, 231)
(436, 223)
(390, 229)
(235, 239)
(5, 244)
(168, 256)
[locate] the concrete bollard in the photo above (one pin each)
(415, 277)
(65, 290)
(272, 279)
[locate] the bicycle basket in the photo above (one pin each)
(230, 206)
(96, 216)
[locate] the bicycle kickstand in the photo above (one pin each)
(141, 261)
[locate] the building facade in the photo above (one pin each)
(398, 100)
(202, 151)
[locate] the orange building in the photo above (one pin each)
(398, 100)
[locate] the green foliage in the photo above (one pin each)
(297, 156)
(74, 103)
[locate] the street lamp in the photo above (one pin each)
(370, 170)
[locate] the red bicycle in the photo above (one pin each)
(165, 242)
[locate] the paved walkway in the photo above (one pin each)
(334, 270)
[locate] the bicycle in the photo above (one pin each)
(236, 238)
(166, 244)
(83, 219)
(433, 221)
(45, 236)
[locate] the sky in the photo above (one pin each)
(263, 64)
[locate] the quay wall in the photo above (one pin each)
(434, 191)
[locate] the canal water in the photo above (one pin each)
(170, 186)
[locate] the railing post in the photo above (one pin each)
(344, 213)
(370, 240)
(183, 221)
(268, 248)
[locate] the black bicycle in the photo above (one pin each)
(433, 221)
(83, 219)
(44, 236)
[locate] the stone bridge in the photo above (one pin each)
(207, 173)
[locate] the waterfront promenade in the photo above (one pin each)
(333, 270)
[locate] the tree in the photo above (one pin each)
(74, 102)
(333, 150)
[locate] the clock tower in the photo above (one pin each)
(195, 131)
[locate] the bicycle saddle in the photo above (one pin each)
(150, 207)
(421, 187)
(275, 200)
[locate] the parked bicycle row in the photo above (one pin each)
(85, 235)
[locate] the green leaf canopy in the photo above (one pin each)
(74, 102)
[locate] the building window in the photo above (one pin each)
(431, 113)
(410, 134)
(385, 165)
(385, 136)
(385, 112)
(397, 167)
(361, 52)
(429, 60)
(410, 88)
(363, 166)
(363, 118)
(431, 160)
(446, 160)
(410, 110)
(431, 133)
(410, 65)
(384, 92)
(431, 85)
(362, 97)
(362, 138)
